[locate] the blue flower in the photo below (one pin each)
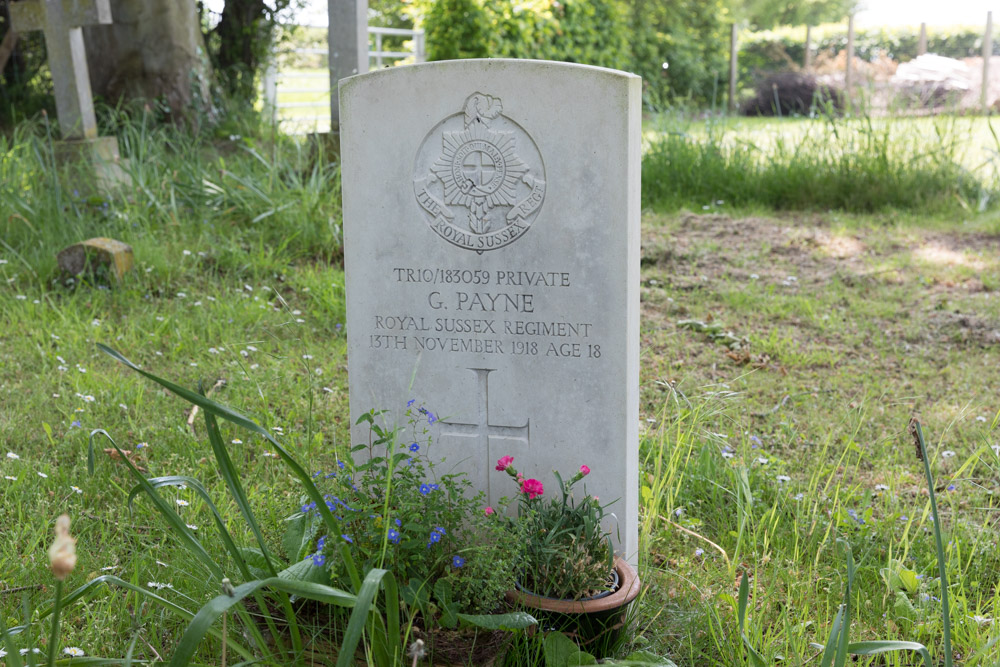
(439, 529)
(457, 561)
(423, 410)
(76, 424)
(414, 447)
(431, 418)
(435, 537)
(318, 558)
(434, 487)
(951, 487)
(394, 536)
(320, 542)
(340, 464)
(398, 523)
(425, 489)
(410, 402)
(308, 506)
(317, 474)
(331, 474)
(347, 538)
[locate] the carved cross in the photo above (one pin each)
(483, 431)
(61, 21)
(479, 170)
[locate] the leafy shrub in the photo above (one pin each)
(790, 93)
(395, 512)
(457, 29)
(591, 32)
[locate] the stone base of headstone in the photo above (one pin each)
(98, 157)
(96, 254)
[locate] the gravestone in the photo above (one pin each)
(491, 232)
(62, 21)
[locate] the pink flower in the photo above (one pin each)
(584, 470)
(532, 488)
(504, 462)
(488, 511)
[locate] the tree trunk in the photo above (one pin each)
(154, 49)
(244, 35)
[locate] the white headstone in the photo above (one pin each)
(491, 230)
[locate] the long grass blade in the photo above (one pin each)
(173, 607)
(886, 646)
(202, 622)
(239, 419)
(359, 617)
(196, 486)
(829, 651)
(756, 658)
(232, 480)
(939, 543)
(177, 524)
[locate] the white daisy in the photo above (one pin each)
(13, 456)
(74, 651)
(181, 502)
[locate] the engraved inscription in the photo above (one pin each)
(500, 313)
(479, 178)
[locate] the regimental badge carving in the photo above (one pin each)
(478, 177)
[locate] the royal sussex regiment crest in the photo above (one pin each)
(479, 179)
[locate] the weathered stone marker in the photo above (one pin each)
(94, 253)
(491, 227)
(62, 21)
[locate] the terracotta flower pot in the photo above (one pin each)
(587, 621)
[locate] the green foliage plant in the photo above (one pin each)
(366, 619)
(569, 553)
(453, 557)
(457, 29)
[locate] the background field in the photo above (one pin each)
(782, 356)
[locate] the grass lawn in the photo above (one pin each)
(759, 449)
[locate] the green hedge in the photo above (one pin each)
(591, 32)
(689, 34)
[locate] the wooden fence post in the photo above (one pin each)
(849, 71)
(987, 54)
(922, 43)
(808, 60)
(733, 46)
